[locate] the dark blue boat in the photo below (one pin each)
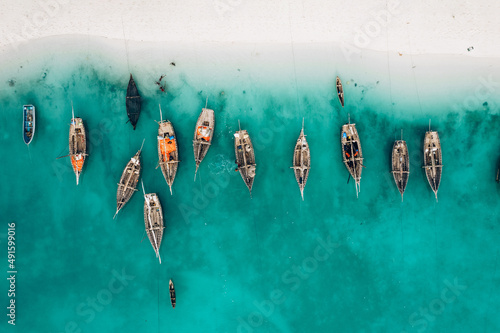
(28, 123)
(133, 102)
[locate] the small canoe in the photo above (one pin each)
(340, 91)
(133, 102)
(172, 292)
(128, 181)
(245, 157)
(352, 154)
(433, 161)
(203, 134)
(400, 165)
(301, 161)
(28, 123)
(77, 145)
(168, 153)
(153, 220)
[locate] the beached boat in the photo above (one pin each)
(133, 102)
(77, 145)
(172, 292)
(245, 157)
(168, 154)
(28, 123)
(340, 91)
(352, 154)
(153, 219)
(301, 161)
(400, 165)
(128, 181)
(203, 134)
(433, 163)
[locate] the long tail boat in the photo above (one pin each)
(340, 91)
(245, 157)
(352, 154)
(28, 123)
(400, 164)
(128, 181)
(433, 161)
(172, 292)
(301, 161)
(203, 134)
(77, 144)
(153, 219)
(168, 153)
(133, 102)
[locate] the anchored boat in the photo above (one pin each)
(433, 162)
(153, 219)
(172, 292)
(400, 164)
(168, 154)
(128, 181)
(245, 157)
(133, 102)
(28, 123)
(301, 161)
(203, 134)
(351, 152)
(340, 91)
(77, 145)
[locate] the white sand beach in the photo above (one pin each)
(416, 27)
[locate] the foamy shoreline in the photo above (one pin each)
(447, 27)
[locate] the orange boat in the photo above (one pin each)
(203, 134)
(168, 154)
(77, 145)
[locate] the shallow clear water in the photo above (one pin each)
(270, 263)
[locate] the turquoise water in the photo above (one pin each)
(270, 263)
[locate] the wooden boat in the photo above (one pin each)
(128, 181)
(498, 175)
(301, 161)
(28, 123)
(340, 91)
(400, 165)
(352, 154)
(168, 153)
(153, 219)
(203, 134)
(433, 163)
(245, 157)
(133, 102)
(172, 292)
(77, 145)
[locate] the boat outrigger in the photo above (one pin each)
(340, 91)
(153, 219)
(245, 157)
(128, 181)
(172, 292)
(168, 154)
(203, 134)
(133, 102)
(28, 123)
(433, 161)
(400, 164)
(352, 154)
(301, 161)
(77, 145)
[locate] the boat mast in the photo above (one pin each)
(161, 117)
